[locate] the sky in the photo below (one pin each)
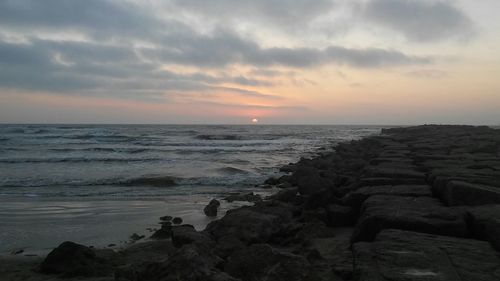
(230, 61)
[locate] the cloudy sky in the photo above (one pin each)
(228, 61)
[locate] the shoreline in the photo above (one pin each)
(413, 202)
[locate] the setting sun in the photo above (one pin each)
(255, 120)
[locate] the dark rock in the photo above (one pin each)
(211, 209)
(456, 193)
(186, 234)
(288, 195)
(164, 232)
(190, 262)
(177, 220)
(318, 199)
(390, 181)
(335, 255)
(262, 262)
(249, 197)
(339, 215)
(485, 223)
(357, 197)
(272, 181)
(166, 218)
(421, 214)
(402, 255)
(135, 237)
(309, 180)
(254, 224)
(376, 172)
(70, 259)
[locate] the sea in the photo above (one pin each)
(98, 184)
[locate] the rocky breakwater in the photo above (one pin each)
(417, 203)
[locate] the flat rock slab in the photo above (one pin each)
(375, 171)
(402, 256)
(456, 193)
(421, 214)
(374, 181)
(356, 198)
(485, 223)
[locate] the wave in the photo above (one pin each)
(232, 171)
(77, 160)
(219, 137)
(155, 181)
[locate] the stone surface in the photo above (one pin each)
(262, 262)
(357, 197)
(456, 193)
(485, 223)
(70, 259)
(211, 209)
(254, 224)
(421, 214)
(402, 256)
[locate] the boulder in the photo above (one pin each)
(456, 193)
(190, 262)
(339, 215)
(211, 209)
(309, 180)
(186, 234)
(357, 197)
(262, 262)
(255, 224)
(177, 220)
(70, 259)
(402, 256)
(485, 223)
(421, 214)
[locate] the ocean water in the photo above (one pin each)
(96, 184)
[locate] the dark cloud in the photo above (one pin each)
(224, 48)
(126, 46)
(420, 20)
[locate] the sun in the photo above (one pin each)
(255, 120)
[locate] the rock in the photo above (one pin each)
(371, 181)
(262, 262)
(249, 197)
(377, 172)
(211, 209)
(309, 180)
(186, 234)
(164, 232)
(357, 197)
(318, 199)
(288, 195)
(456, 193)
(272, 181)
(177, 220)
(255, 224)
(166, 218)
(190, 262)
(135, 237)
(485, 223)
(339, 215)
(335, 255)
(421, 214)
(70, 259)
(402, 255)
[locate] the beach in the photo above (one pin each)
(416, 203)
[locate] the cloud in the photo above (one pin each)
(225, 48)
(127, 48)
(420, 20)
(277, 12)
(427, 74)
